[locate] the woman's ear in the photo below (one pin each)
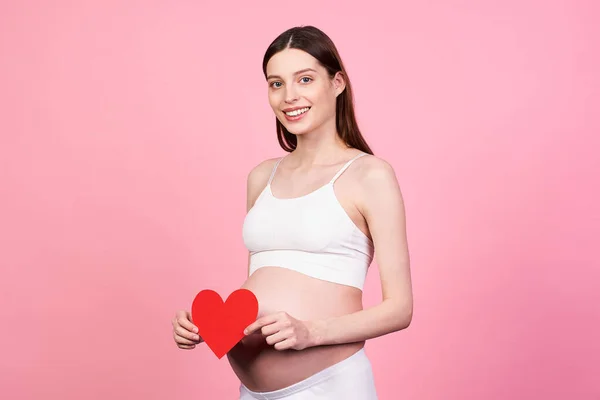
(339, 83)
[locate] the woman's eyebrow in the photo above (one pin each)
(295, 73)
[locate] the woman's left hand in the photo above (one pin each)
(283, 331)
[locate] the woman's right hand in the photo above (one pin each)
(185, 332)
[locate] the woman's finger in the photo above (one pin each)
(275, 327)
(285, 344)
(260, 323)
(187, 324)
(279, 336)
(187, 334)
(184, 341)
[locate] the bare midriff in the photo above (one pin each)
(262, 368)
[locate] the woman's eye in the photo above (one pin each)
(307, 79)
(274, 84)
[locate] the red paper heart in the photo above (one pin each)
(221, 324)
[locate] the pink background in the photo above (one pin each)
(127, 132)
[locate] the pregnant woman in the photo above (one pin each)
(315, 219)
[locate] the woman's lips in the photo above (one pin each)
(296, 117)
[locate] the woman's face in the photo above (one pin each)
(301, 93)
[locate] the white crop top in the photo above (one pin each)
(310, 234)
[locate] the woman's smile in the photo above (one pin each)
(295, 114)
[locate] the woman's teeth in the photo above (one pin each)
(297, 112)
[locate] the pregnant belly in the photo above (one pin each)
(262, 368)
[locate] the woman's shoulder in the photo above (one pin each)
(374, 169)
(262, 170)
(258, 178)
(376, 190)
(259, 174)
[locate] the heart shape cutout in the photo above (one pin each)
(221, 324)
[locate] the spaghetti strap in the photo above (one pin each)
(341, 171)
(275, 169)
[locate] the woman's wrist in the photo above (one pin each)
(316, 332)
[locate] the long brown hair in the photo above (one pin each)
(316, 43)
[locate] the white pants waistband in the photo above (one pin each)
(360, 375)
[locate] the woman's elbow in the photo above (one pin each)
(404, 316)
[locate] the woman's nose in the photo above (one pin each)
(291, 95)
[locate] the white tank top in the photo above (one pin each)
(310, 234)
